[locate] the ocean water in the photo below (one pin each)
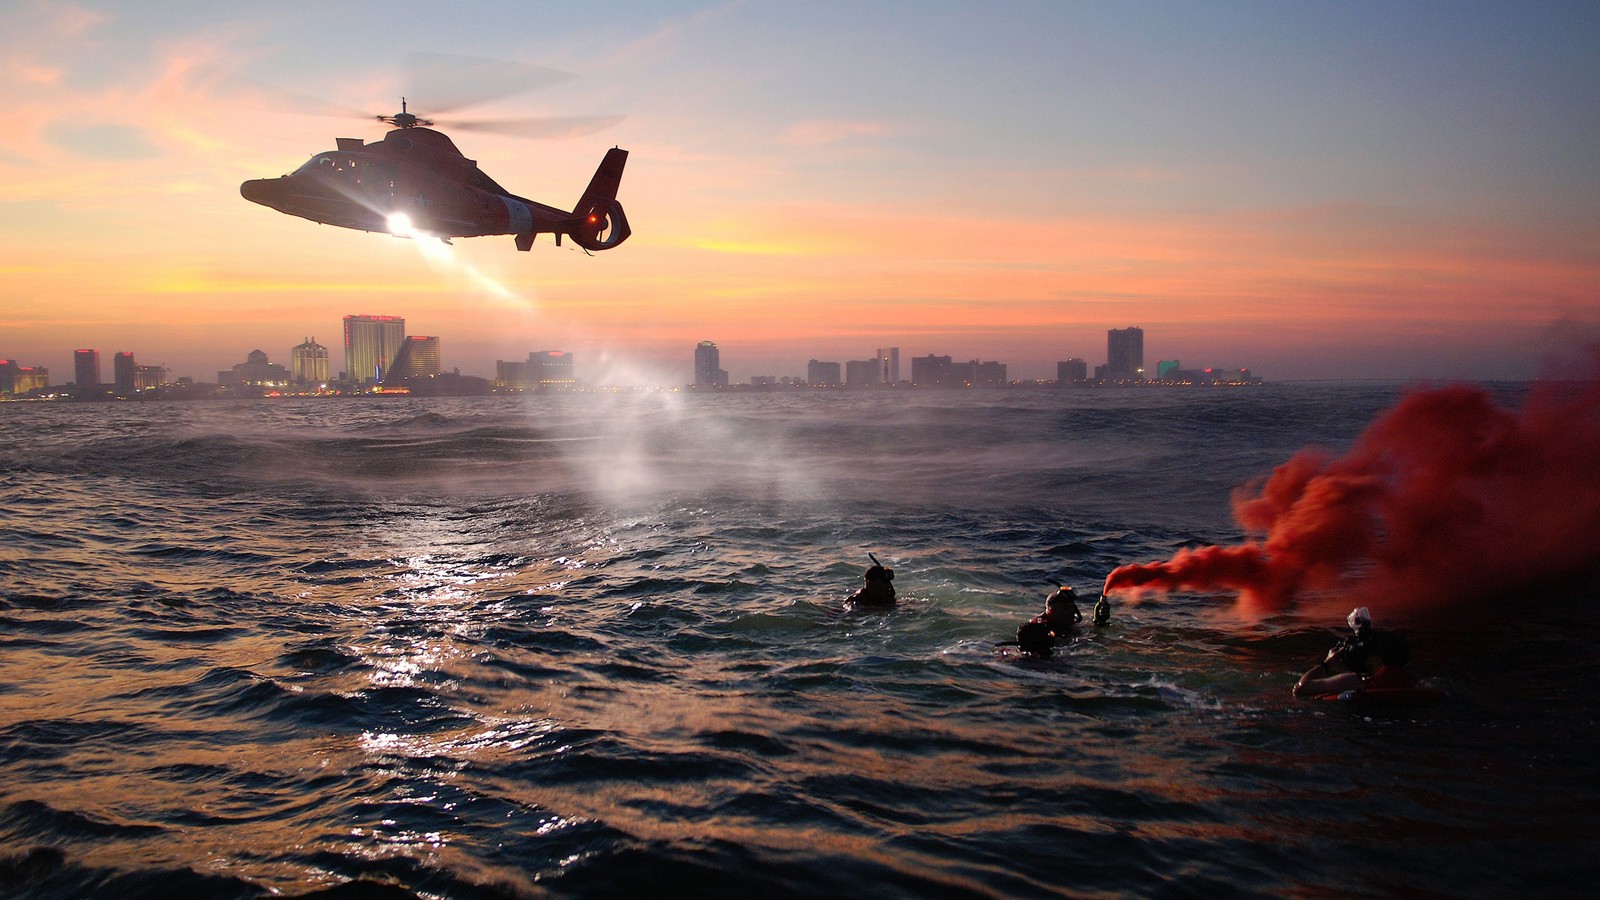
(594, 645)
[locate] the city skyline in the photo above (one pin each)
(387, 334)
(1304, 190)
(885, 361)
(379, 343)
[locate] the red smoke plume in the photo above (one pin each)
(1446, 498)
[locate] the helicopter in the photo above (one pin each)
(415, 183)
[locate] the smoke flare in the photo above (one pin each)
(1445, 499)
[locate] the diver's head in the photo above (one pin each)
(879, 573)
(1359, 619)
(1063, 596)
(1036, 639)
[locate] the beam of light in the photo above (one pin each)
(438, 253)
(442, 256)
(400, 225)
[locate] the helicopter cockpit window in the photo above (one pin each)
(351, 169)
(321, 163)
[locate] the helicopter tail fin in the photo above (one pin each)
(607, 179)
(600, 223)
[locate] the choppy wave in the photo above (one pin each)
(586, 646)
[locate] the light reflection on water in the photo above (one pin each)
(479, 671)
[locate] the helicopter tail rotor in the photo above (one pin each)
(601, 223)
(603, 227)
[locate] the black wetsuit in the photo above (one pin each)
(1036, 638)
(1391, 648)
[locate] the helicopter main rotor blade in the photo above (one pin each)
(445, 82)
(543, 127)
(273, 98)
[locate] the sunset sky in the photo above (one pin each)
(1397, 190)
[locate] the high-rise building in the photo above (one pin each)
(708, 371)
(123, 371)
(308, 363)
(818, 372)
(1125, 354)
(16, 378)
(553, 369)
(888, 365)
(86, 368)
(942, 371)
(549, 370)
(929, 370)
(861, 372)
(370, 344)
(418, 357)
(973, 374)
(129, 377)
(1072, 371)
(988, 373)
(514, 375)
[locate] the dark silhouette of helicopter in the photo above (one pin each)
(415, 183)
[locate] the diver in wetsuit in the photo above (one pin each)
(1035, 638)
(1061, 612)
(1366, 658)
(878, 589)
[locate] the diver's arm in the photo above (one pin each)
(1330, 676)
(1337, 683)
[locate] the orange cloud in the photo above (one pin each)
(760, 244)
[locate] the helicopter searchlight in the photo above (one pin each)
(400, 225)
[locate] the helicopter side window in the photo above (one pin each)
(348, 169)
(376, 177)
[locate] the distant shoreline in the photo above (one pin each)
(211, 393)
(200, 392)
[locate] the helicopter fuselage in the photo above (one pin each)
(416, 183)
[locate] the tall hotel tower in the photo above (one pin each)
(125, 372)
(86, 368)
(888, 365)
(554, 368)
(708, 370)
(418, 358)
(370, 343)
(1125, 354)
